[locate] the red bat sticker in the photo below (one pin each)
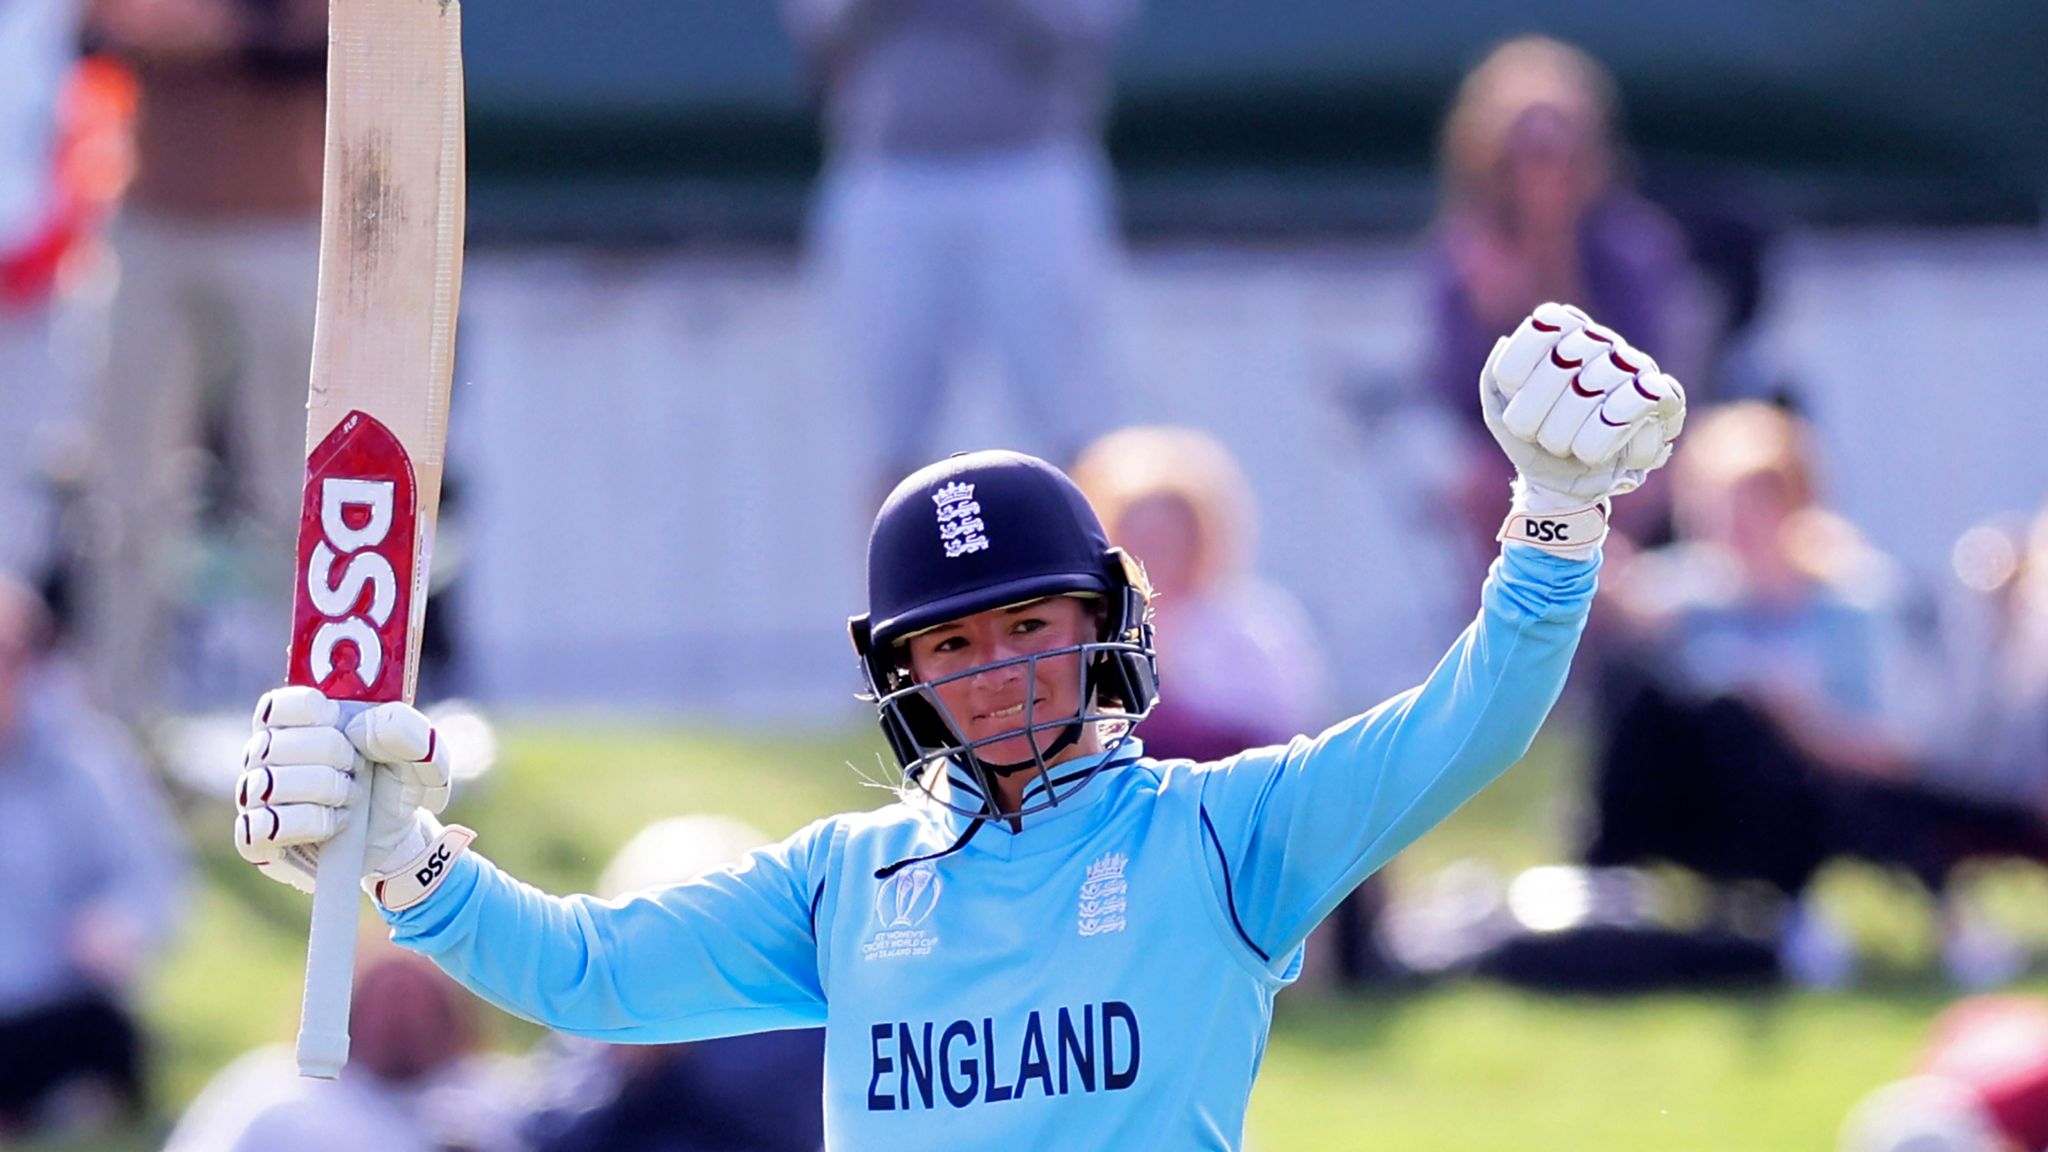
(358, 539)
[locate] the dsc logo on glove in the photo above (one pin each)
(436, 864)
(1546, 531)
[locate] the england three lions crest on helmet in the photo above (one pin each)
(960, 523)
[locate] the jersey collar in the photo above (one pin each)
(1070, 820)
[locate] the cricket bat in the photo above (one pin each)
(376, 414)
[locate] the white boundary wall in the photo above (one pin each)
(668, 492)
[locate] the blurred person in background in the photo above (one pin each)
(966, 193)
(1981, 1085)
(1773, 708)
(1247, 669)
(89, 889)
(38, 45)
(1995, 628)
(1535, 205)
(751, 1093)
(217, 250)
(1986, 769)
(416, 1080)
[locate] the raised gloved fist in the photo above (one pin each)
(1584, 417)
(301, 773)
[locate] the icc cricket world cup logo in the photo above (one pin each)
(906, 899)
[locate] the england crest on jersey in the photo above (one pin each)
(1102, 903)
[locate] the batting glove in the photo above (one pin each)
(1584, 416)
(301, 773)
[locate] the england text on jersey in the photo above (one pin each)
(924, 1065)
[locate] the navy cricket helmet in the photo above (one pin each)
(984, 530)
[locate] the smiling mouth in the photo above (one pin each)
(1007, 713)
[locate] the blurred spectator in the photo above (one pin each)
(88, 890)
(1981, 1086)
(763, 1092)
(415, 1081)
(1987, 761)
(1535, 206)
(965, 193)
(1245, 666)
(1239, 657)
(218, 252)
(1995, 746)
(1779, 710)
(38, 43)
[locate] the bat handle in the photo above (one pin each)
(331, 941)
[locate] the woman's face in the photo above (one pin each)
(1550, 167)
(998, 700)
(1756, 511)
(1745, 515)
(1164, 534)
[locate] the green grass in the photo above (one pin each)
(1484, 1069)
(1467, 1067)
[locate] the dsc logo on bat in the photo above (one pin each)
(357, 548)
(355, 519)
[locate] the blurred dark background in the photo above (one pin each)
(650, 120)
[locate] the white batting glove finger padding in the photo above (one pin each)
(1635, 423)
(1517, 356)
(1666, 421)
(298, 778)
(1582, 413)
(271, 747)
(1614, 416)
(1560, 382)
(1581, 370)
(393, 733)
(262, 830)
(294, 784)
(293, 864)
(296, 708)
(400, 738)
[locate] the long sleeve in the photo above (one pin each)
(734, 951)
(1293, 829)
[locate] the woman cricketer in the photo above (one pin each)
(1050, 939)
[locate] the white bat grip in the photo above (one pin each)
(331, 941)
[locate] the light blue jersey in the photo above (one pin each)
(1101, 978)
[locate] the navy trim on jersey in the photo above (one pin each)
(883, 873)
(1229, 892)
(1119, 756)
(961, 782)
(816, 897)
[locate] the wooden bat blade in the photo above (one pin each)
(383, 350)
